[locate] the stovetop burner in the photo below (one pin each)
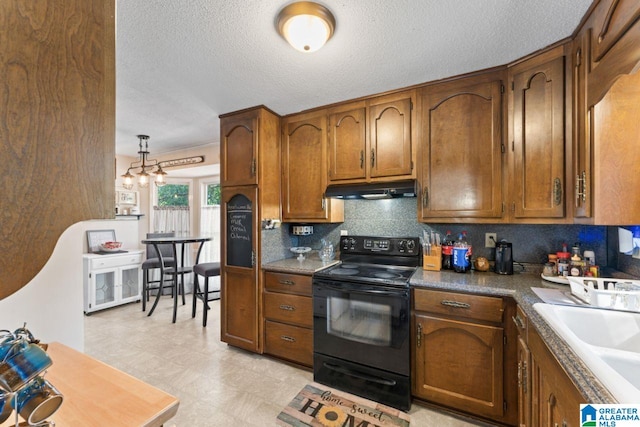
(386, 275)
(348, 266)
(346, 271)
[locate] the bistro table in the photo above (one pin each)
(179, 270)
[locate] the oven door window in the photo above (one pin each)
(361, 321)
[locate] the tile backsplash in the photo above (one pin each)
(398, 217)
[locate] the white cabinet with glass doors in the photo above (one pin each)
(111, 280)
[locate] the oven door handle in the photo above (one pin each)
(369, 291)
(360, 375)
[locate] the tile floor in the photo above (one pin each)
(217, 385)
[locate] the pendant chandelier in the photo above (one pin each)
(146, 166)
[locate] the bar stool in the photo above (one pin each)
(152, 263)
(205, 269)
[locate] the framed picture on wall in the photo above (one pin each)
(127, 197)
(96, 237)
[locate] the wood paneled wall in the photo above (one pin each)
(57, 126)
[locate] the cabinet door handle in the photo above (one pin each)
(581, 184)
(373, 157)
(361, 159)
(525, 374)
(287, 307)
(419, 335)
(425, 197)
(287, 282)
(518, 321)
(557, 191)
(455, 304)
(287, 338)
(253, 167)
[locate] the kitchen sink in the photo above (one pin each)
(607, 341)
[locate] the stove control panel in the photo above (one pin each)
(407, 246)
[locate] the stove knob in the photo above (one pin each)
(411, 245)
(352, 243)
(402, 245)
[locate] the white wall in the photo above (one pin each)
(52, 303)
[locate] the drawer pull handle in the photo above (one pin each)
(455, 304)
(287, 338)
(287, 282)
(518, 321)
(287, 307)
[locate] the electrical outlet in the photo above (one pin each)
(344, 232)
(490, 240)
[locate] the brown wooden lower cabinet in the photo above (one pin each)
(547, 396)
(289, 342)
(462, 358)
(288, 317)
(555, 399)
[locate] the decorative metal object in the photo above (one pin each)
(23, 364)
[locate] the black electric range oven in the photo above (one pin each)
(361, 319)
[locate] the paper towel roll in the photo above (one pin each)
(625, 241)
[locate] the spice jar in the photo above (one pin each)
(548, 269)
(563, 263)
(553, 259)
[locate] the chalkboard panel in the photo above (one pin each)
(239, 231)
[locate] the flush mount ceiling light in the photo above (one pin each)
(147, 167)
(306, 25)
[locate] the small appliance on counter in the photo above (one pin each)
(504, 258)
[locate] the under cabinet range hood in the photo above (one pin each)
(376, 190)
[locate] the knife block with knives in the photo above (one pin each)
(433, 260)
(431, 252)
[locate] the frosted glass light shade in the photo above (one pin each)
(306, 25)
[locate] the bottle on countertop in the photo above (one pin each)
(461, 254)
(563, 263)
(576, 265)
(447, 252)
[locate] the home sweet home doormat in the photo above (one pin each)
(320, 406)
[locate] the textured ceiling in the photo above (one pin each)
(180, 64)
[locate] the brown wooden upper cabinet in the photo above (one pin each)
(371, 140)
(581, 145)
(606, 107)
(239, 149)
(304, 170)
(538, 137)
(460, 157)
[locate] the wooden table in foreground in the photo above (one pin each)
(96, 394)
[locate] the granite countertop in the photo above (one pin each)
(518, 286)
(308, 266)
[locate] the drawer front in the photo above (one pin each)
(289, 342)
(109, 261)
(477, 307)
(293, 283)
(288, 308)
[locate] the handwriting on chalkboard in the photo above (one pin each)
(239, 231)
(236, 226)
